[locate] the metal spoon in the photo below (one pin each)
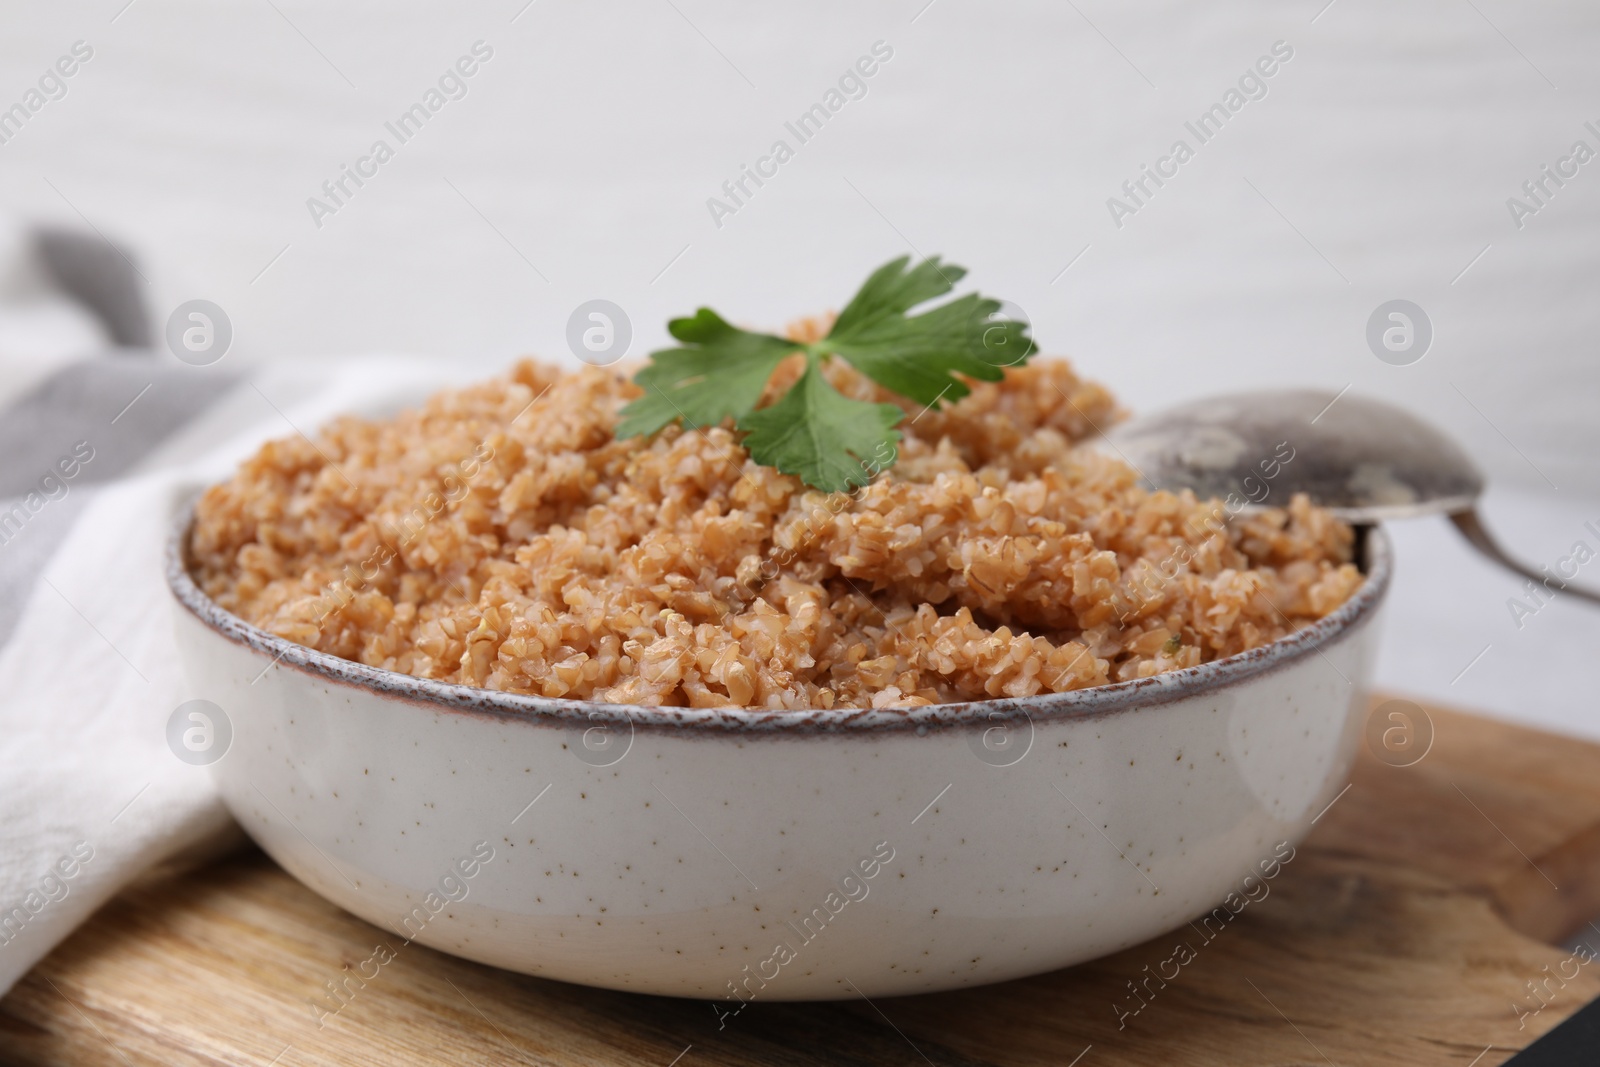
(1362, 459)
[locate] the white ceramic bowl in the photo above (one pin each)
(780, 855)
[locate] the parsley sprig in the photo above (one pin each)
(826, 439)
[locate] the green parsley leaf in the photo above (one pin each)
(917, 356)
(830, 441)
(813, 431)
(719, 374)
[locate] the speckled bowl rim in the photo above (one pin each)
(547, 711)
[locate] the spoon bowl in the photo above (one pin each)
(1362, 459)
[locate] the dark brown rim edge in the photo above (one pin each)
(547, 711)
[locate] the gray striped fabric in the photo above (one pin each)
(88, 423)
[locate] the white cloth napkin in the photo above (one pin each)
(91, 794)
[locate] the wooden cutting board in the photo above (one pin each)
(1405, 932)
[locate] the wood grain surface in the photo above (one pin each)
(1406, 931)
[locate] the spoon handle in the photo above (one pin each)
(1471, 526)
